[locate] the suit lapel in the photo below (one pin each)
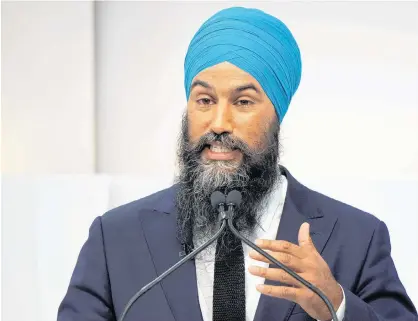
(297, 210)
(180, 288)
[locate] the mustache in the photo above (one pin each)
(227, 140)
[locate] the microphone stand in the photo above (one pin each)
(177, 265)
(309, 285)
(226, 220)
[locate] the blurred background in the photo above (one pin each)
(92, 98)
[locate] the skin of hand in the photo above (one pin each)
(305, 260)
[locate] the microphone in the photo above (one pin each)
(218, 202)
(233, 200)
(217, 198)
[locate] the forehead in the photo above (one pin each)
(226, 76)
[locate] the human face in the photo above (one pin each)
(227, 100)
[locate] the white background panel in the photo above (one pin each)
(97, 89)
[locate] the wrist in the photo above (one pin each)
(338, 298)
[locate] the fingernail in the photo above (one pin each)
(259, 287)
(258, 242)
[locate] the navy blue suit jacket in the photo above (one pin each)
(132, 244)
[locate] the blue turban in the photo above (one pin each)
(253, 41)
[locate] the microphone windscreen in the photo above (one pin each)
(217, 198)
(234, 197)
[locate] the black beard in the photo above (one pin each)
(254, 177)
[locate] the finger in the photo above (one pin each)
(274, 274)
(281, 246)
(284, 292)
(289, 260)
(304, 238)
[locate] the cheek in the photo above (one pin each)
(253, 135)
(253, 128)
(252, 132)
(195, 126)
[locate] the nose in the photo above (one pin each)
(222, 119)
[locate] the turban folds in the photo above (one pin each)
(253, 41)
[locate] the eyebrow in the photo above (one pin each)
(246, 87)
(239, 89)
(200, 83)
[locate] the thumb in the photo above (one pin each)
(304, 237)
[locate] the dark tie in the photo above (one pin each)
(229, 280)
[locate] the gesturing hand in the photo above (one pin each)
(306, 262)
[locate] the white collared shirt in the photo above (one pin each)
(267, 229)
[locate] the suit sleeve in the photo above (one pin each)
(380, 295)
(88, 296)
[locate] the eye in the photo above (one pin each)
(205, 101)
(244, 102)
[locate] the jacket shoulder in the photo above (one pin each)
(346, 213)
(162, 201)
(310, 200)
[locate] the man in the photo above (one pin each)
(241, 70)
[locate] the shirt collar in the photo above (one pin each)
(274, 205)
